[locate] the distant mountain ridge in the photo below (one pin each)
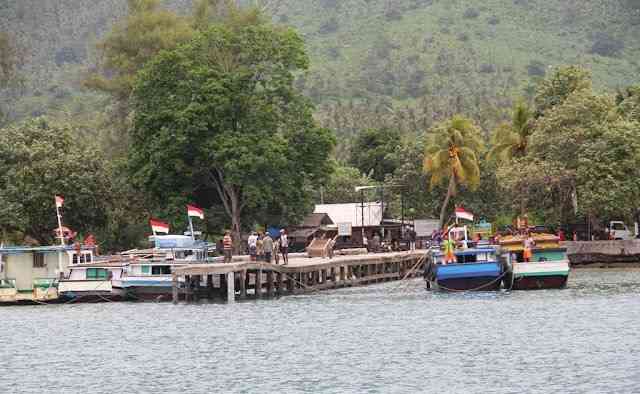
(396, 51)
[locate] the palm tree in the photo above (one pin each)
(510, 139)
(452, 152)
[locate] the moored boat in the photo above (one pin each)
(148, 275)
(474, 269)
(548, 267)
(93, 281)
(31, 274)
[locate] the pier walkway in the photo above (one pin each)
(253, 279)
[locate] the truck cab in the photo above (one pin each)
(619, 231)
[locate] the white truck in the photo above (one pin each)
(619, 231)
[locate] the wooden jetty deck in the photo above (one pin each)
(247, 279)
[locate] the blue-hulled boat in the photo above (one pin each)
(475, 269)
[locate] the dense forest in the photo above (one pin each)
(132, 109)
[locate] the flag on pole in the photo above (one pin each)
(159, 227)
(194, 211)
(462, 214)
(59, 201)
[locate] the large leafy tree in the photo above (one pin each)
(219, 120)
(558, 86)
(39, 160)
(374, 152)
(340, 187)
(452, 154)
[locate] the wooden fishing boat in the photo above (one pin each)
(548, 267)
(475, 269)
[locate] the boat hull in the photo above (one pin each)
(465, 277)
(146, 288)
(540, 275)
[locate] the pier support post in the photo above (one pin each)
(280, 287)
(342, 275)
(258, 284)
(210, 286)
(231, 284)
(269, 283)
(174, 288)
(243, 284)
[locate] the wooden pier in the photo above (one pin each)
(246, 279)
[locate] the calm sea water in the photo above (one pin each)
(387, 338)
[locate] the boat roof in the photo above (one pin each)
(470, 251)
(41, 249)
(100, 264)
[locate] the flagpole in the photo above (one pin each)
(193, 237)
(60, 225)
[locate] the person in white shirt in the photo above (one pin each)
(252, 242)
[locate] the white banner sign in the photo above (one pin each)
(344, 229)
(424, 227)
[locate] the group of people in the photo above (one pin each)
(262, 247)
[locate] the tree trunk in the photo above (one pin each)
(235, 223)
(443, 210)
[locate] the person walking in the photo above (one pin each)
(227, 246)
(267, 247)
(284, 247)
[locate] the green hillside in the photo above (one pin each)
(448, 55)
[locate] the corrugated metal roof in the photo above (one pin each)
(352, 213)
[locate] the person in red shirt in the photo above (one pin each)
(561, 236)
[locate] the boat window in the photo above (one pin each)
(471, 258)
(87, 257)
(161, 270)
(97, 273)
(74, 258)
(38, 260)
(145, 269)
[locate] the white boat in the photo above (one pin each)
(93, 281)
(148, 275)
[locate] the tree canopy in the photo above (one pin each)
(373, 152)
(218, 120)
(39, 160)
(452, 153)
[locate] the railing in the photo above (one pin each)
(7, 283)
(44, 283)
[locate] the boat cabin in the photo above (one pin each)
(31, 273)
(469, 256)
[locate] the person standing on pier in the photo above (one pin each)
(252, 242)
(276, 250)
(227, 246)
(267, 246)
(284, 246)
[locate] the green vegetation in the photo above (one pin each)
(218, 120)
(452, 154)
(164, 103)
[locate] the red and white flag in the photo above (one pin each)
(59, 201)
(159, 227)
(194, 211)
(462, 214)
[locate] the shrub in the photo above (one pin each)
(606, 45)
(536, 69)
(487, 68)
(471, 13)
(330, 26)
(493, 20)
